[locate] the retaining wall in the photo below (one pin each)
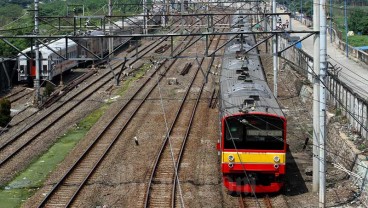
(355, 108)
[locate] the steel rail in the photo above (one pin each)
(178, 161)
(43, 203)
(241, 199)
(165, 140)
(158, 157)
(12, 140)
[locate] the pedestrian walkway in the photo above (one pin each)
(352, 73)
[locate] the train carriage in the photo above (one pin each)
(252, 144)
(51, 64)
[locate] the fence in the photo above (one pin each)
(353, 53)
(352, 105)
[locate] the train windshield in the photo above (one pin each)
(254, 132)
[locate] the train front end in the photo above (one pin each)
(253, 152)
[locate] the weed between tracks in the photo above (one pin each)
(31, 179)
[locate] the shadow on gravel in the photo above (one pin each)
(294, 182)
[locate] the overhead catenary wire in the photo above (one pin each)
(242, 165)
(176, 177)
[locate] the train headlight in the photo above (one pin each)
(276, 166)
(231, 165)
(231, 158)
(276, 159)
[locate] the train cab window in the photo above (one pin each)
(21, 68)
(234, 133)
(254, 132)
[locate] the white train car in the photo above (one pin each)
(51, 64)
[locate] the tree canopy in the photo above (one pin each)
(358, 21)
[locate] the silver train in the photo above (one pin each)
(52, 65)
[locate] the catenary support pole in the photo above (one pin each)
(301, 11)
(274, 50)
(111, 41)
(322, 104)
(331, 21)
(316, 69)
(346, 29)
(37, 80)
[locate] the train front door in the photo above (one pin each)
(32, 70)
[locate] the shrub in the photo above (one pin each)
(5, 117)
(49, 88)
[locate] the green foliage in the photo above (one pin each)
(8, 51)
(358, 21)
(358, 40)
(49, 88)
(55, 8)
(23, 3)
(5, 107)
(6, 16)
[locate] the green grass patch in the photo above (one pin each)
(139, 73)
(30, 180)
(26, 183)
(356, 40)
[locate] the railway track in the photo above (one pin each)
(19, 94)
(262, 202)
(163, 182)
(11, 147)
(67, 189)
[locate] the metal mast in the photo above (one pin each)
(346, 30)
(316, 83)
(323, 69)
(145, 15)
(111, 40)
(37, 80)
(274, 50)
(331, 21)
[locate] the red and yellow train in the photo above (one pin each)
(252, 144)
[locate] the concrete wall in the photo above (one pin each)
(343, 153)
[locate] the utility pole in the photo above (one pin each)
(301, 11)
(145, 15)
(346, 30)
(274, 50)
(111, 40)
(316, 81)
(182, 12)
(331, 21)
(37, 80)
(322, 105)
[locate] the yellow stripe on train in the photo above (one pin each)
(253, 157)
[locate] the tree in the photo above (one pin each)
(7, 16)
(358, 21)
(5, 107)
